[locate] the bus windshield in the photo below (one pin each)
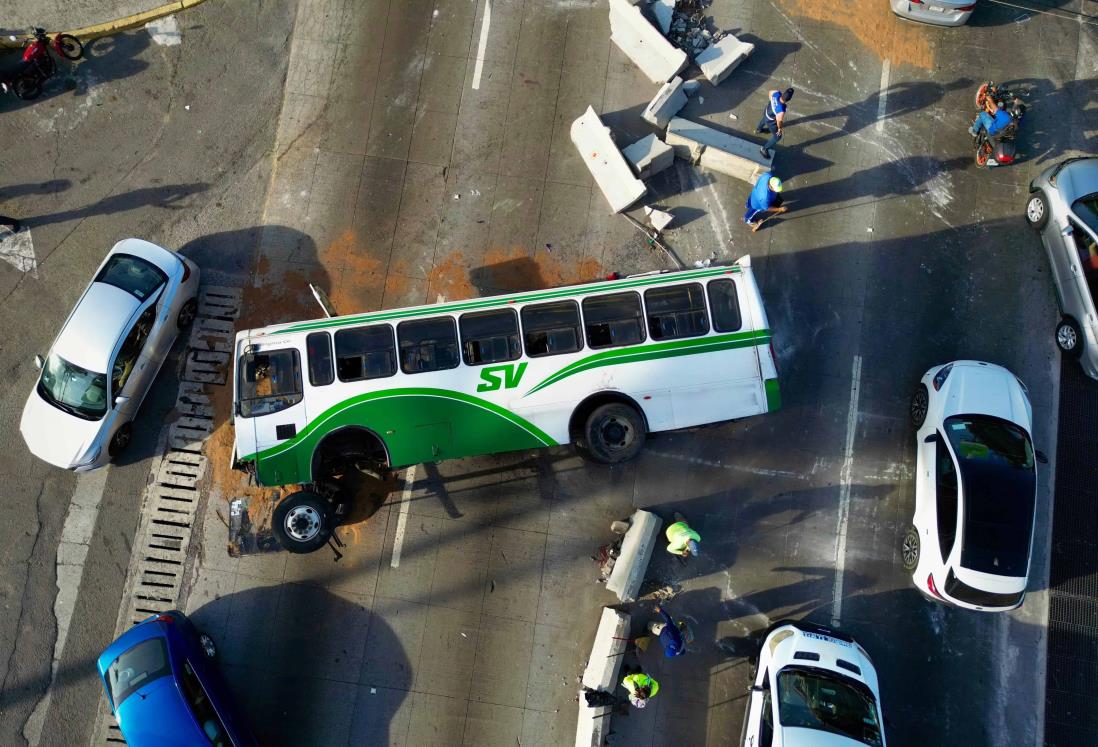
(812, 698)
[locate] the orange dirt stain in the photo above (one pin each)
(873, 23)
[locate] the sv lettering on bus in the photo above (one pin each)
(507, 376)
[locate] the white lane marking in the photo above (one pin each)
(17, 249)
(883, 102)
(402, 522)
(165, 31)
(485, 23)
(72, 551)
(844, 490)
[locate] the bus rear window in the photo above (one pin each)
(551, 328)
(613, 320)
(677, 311)
(365, 353)
(428, 345)
(319, 348)
(725, 306)
(270, 381)
(490, 337)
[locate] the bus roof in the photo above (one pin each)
(503, 300)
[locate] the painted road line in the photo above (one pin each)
(402, 522)
(72, 551)
(844, 490)
(485, 24)
(882, 103)
(17, 249)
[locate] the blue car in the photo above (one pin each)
(165, 690)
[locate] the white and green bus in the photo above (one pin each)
(599, 365)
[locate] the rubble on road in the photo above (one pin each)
(691, 30)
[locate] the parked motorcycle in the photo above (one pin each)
(997, 149)
(38, 64)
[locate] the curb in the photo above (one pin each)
(121, 24)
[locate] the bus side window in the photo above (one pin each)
(551, 328)
(428, 345)
(613, 320)
(270, 382)
(490, 337)
(676, 311)
(318, 346)
(724, 305)
(365, 353)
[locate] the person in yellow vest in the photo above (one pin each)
(681, 539)
(641, 687)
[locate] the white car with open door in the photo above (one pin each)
(813, 687)
(975, 487)
(109, 350)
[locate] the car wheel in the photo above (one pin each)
(1068, 337)
(207, 644)
(1037, 211)
(187, 314)
(909, 549)
(614, 433)
(920, 400)
(302, 522)
(120, 440)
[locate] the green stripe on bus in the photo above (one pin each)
(773, 395)
(504, 301)
(692, 346)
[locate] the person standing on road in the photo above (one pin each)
(670, 634)
(773, 119)
(640, 687)
(681, 539)
(764, 198)
(11, 223)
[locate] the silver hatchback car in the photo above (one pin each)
(1063, 208)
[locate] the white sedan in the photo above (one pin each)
(107, 355)
(813, 687)
(975, 487)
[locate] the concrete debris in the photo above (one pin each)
(663, 10)
(666, 104)
(636, 550)
(722, 58)
(717, 151)
(643, 43)
(691, 30)
(605, 161)
(658, 219)
(691, 87)
(649, 156)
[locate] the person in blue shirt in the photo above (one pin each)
(764, 198)
(992, 124)
(670, 634)
(773, 119)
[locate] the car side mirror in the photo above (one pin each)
(931, 439)
(1041, 456)
(39, 362)
(756, 689)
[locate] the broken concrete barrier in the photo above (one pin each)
(636, 549)
(649, 156)
(601, 674)
(717, 61)
(643, 43)
(664, 11)
(669, 99)
(717, 151)
(605, 161)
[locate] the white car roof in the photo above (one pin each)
(95, 326)
(975, 388)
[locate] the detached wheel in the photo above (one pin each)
(1037, 211)
(187, 314)
(614, 433)
(207, 645)
(909, 549)
(920, 400)
(120, 440)
(1068, 338)
(301, 522)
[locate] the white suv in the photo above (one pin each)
(813, 687)
(975, 487)
(107, 354)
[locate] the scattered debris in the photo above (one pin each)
(658, 219)
(691, 87)
(732, 116)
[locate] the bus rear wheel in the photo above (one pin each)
(614, 433)
(302, 522)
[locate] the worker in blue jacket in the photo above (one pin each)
(670, 634)
(765, 198)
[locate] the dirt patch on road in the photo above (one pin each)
(873, 23)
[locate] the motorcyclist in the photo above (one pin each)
(992, 124)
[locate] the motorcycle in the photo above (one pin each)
(997, 149)
(38, 64)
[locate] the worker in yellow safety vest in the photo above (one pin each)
(681, 539)
(641, 687)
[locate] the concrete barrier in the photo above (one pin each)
(664, 11)
(717, 151)
(668, 100)
(601, 674)
(717, 61)
(605, 162)
(643, 43)
(636, 549)
(649, 156)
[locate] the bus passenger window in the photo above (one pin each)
(724, 305)
(490, 337)
(365, 353)
(613, 320)
(551, 328)
(270, 381)
(428, 345)
(319, 348)
(677, 311)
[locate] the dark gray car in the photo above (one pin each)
(1063, 208)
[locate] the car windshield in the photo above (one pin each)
(133, 275)
(137, 667)
(73, 389)
(812, 698)
(999, 482)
